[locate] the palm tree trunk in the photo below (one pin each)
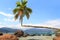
(21, 21)
(41, 27)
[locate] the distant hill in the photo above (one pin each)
(39, 31)
(28, 31)
(6, 30)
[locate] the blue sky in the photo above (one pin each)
(45, 12)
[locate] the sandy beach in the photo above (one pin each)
(37, 38)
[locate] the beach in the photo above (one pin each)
(37, 38)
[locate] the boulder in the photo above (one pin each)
(19, 33)
(8, 37)
(1, 34)
(25, 35)
(57, 36)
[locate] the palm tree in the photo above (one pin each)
(22, 10)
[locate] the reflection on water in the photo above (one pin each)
(33, 39)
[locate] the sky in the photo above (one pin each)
(44, 12)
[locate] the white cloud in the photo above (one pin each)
(2, 26)
(6, 14)
(54, 23)
(9, 17)
(0, 23)
(10, 20)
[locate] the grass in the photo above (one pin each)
(36, 38)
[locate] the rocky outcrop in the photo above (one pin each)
(8, 37)
(57, 36)
(19, 33)
(1, 34)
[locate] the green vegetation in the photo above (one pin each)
(22, 10)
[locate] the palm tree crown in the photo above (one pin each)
(22, 10)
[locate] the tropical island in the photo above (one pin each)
(22, 9)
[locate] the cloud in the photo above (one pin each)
(10, 20)
(0, 23)
(6, 14)
(54, 23)
(9, 17)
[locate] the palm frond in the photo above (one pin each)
(16, 16)
(18, 4)
(27, 15)
(24, 3)
(15, 10)
(29, 10)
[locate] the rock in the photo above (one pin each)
(57, 36)
(1, 34)
(19, 33)
(25, 35)
(8, 37)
